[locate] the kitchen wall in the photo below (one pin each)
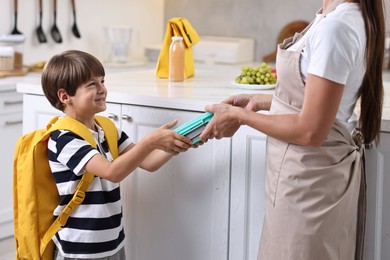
(258, 19)
(145, 16)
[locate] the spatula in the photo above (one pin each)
(15, 30)
(55, 32)
(41, 35)
(75, 30)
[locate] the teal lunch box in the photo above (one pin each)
(192, 129)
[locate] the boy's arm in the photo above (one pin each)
(163, 139)
(156, 159)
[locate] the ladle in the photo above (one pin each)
(75, 30)
(41, 35)
(55, 33)
(15, 30)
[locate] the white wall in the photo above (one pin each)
(145, 16)
(259, 19)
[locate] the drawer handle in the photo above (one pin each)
(10, 103)
(126, 117)
(113, 116)
(15, 122)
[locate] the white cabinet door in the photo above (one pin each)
(10, 129)
(182, 210)
(37, 112)
(377, 245)
(247, 193)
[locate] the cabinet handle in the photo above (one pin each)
(113, 116)
(15, 122)
(126, 117)
(10, 103)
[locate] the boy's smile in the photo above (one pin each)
(89, 99)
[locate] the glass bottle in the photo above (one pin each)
(176, 59)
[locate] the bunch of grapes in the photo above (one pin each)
(262, 75)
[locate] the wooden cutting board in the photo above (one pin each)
(287, 31)
(14, 73)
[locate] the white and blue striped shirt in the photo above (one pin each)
(95, 228)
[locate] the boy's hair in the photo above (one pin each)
(68, 70)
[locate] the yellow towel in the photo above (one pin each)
(178, 26)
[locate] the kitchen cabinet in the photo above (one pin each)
(10, 129)
(378, 200)
(182, 210)
(247, 193)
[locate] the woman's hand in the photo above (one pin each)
(224, 123)
(250, 102)
(226, 119)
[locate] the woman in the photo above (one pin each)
(315, 184)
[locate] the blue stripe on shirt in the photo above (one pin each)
(95, 223)
(90, 248)
(95, 197)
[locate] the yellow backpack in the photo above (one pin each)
(35, 191)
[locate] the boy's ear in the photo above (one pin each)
(63, 96)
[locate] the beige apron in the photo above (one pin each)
(312, 194)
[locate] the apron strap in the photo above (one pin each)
(297, 36)
(362, 200)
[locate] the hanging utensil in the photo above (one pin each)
(15, 30)
(41, 35)
(55, 33)
(75, 30)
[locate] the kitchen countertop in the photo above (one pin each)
(142, 87)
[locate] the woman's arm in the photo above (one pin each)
(310, 127)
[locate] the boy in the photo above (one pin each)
(73, 82)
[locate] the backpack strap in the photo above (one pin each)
(61, 220)
(110, 133)
(68, 123)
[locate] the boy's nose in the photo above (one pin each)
(101, 88)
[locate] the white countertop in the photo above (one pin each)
(9, 83)
(142, 87)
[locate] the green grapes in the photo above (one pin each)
(262, 75)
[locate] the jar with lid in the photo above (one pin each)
(14, 41)
(6, 58)
(176, 59)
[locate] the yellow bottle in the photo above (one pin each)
(176, 59)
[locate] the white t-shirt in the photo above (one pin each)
(335, 49)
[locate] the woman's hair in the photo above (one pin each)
(371, 92)
(68, 70)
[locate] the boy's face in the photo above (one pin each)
(89, 99)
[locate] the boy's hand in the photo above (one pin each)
(164, 138)
(198, 144)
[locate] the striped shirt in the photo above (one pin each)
(94, 229)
